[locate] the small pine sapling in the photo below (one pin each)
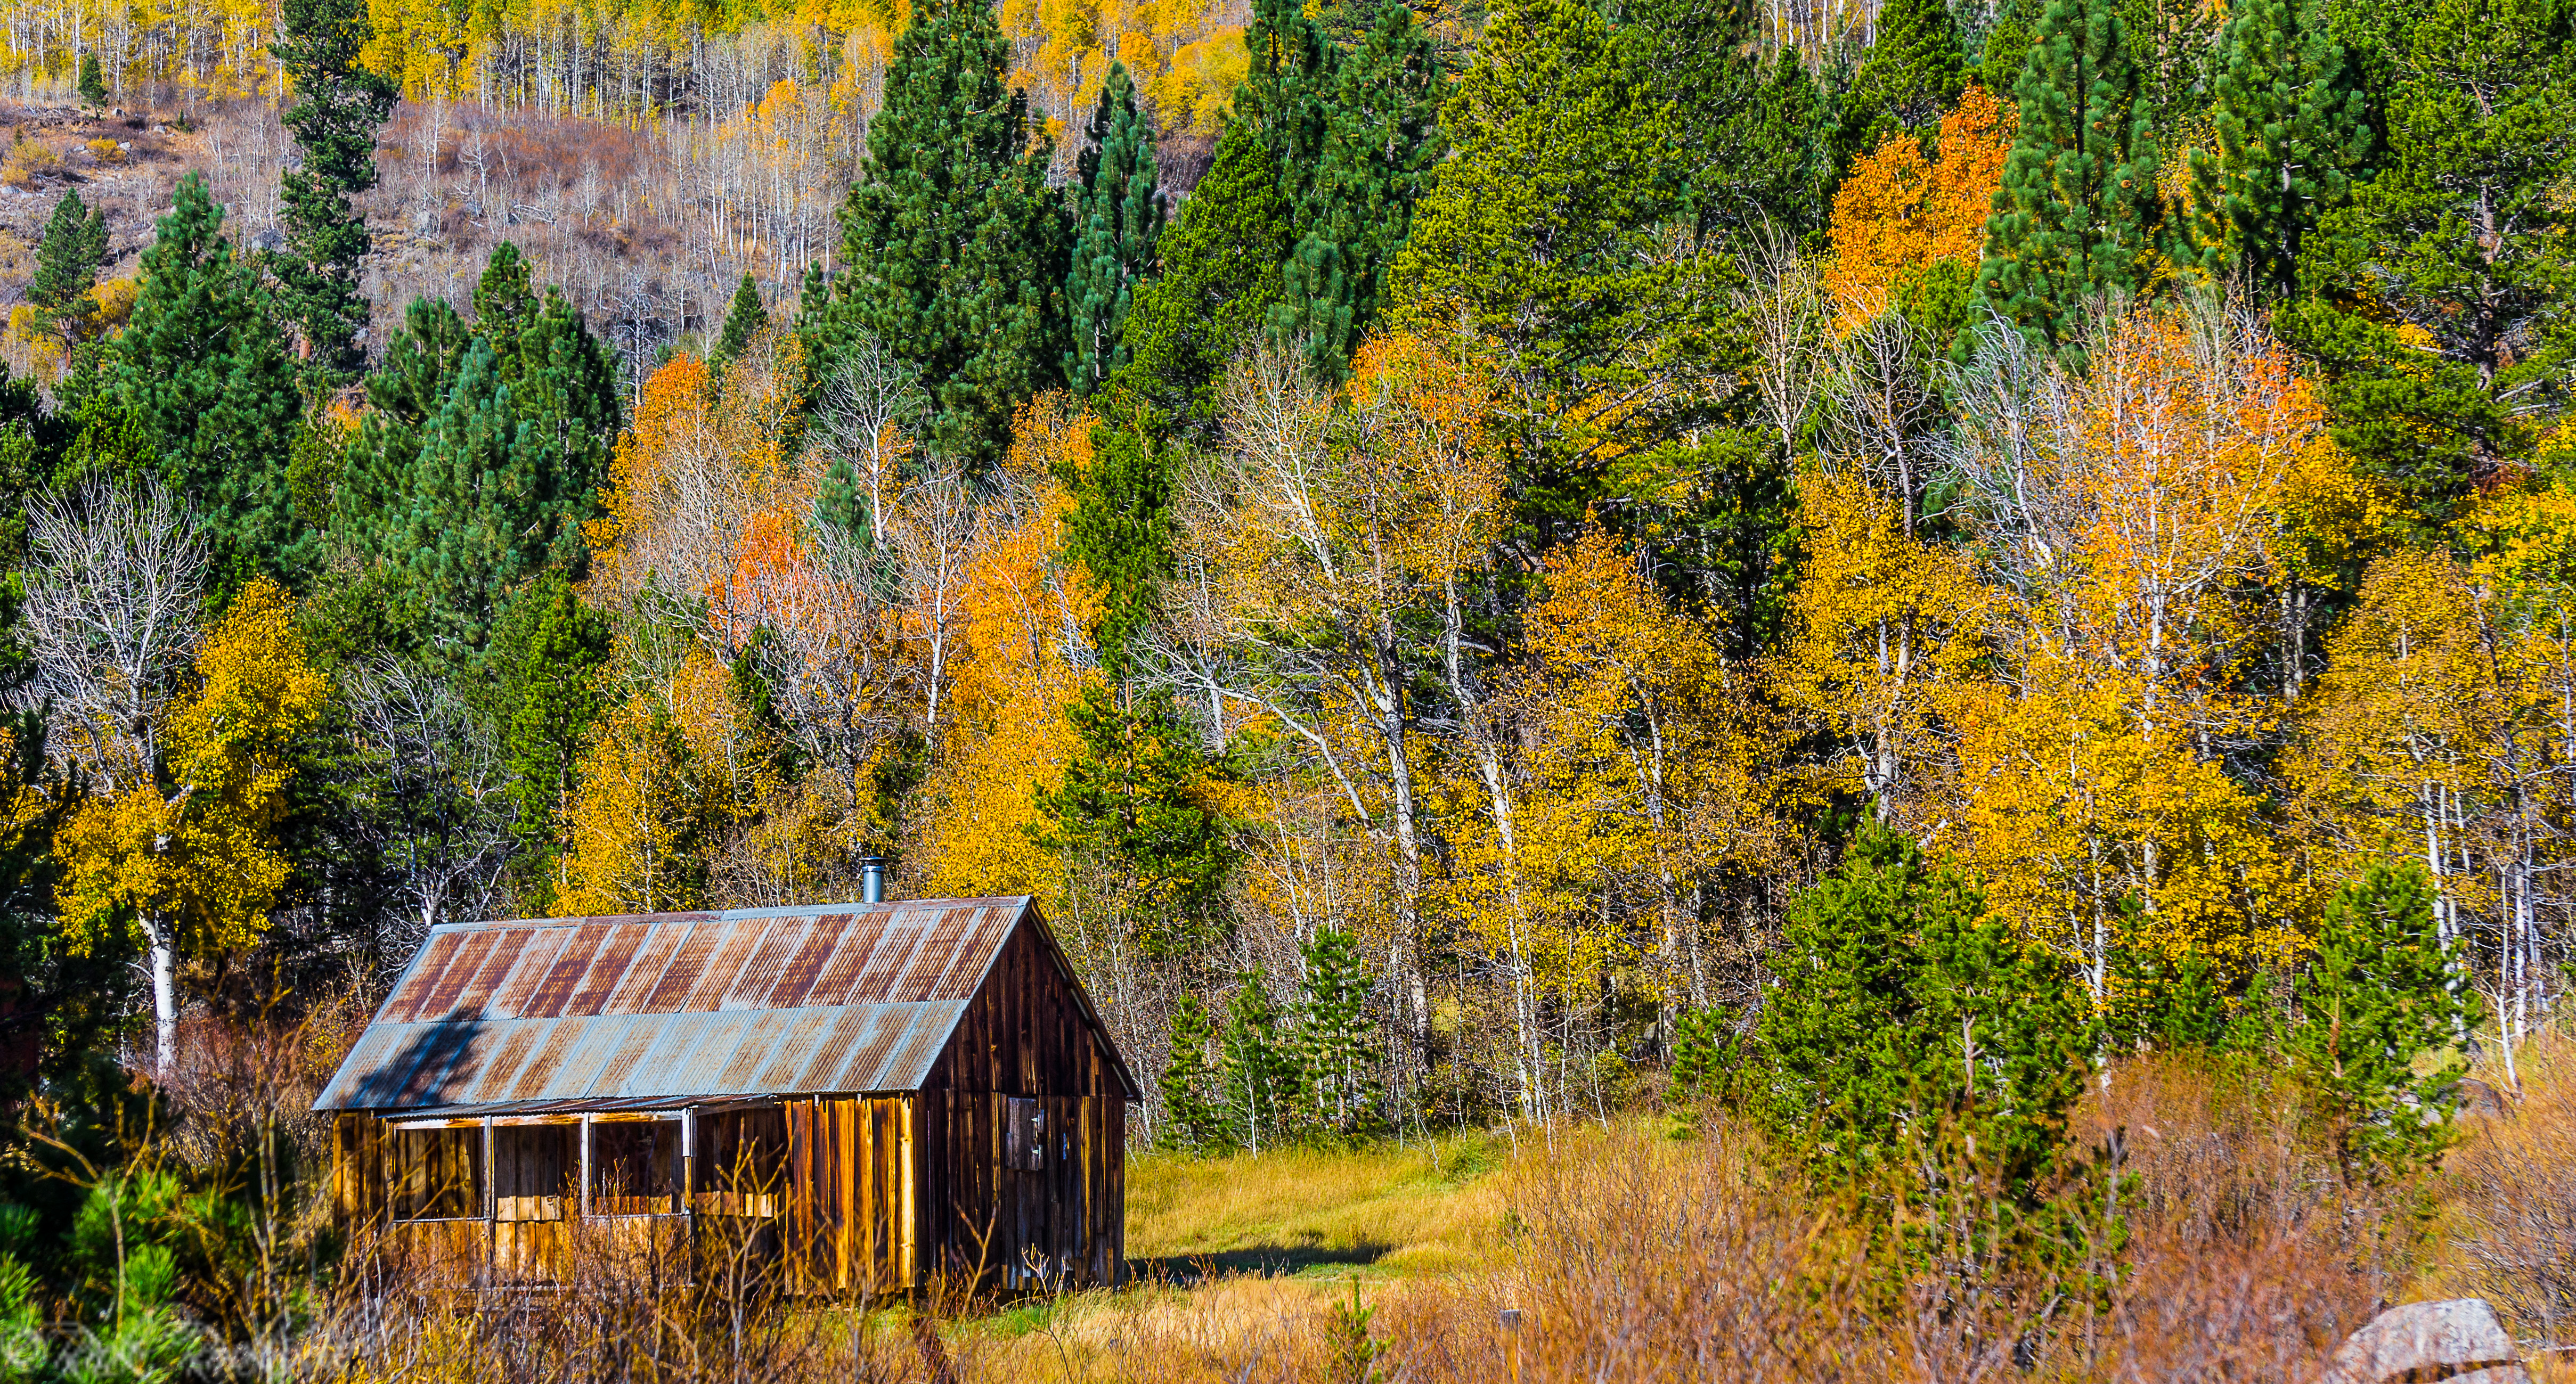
(1356, 1352)
(1192, 1120)
(2383, 990)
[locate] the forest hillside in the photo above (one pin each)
(1820, 581)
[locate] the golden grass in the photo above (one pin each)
(1427, 1208)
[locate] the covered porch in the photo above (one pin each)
(526, 1193)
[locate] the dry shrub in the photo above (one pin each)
(722, 1314)
(2247, 1258)
(2513, 1198)
(26, 159)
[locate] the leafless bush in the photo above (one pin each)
(2514, 1198)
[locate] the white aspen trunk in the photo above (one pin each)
(163, 951)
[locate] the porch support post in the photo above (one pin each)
(491, 1196)
(585, 1165)
(689, 1162)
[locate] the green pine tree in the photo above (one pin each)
(1893, 986)
(1117, 217)
(747, 318)
(1337, 1046)
(2005, 50)
(1259, 1066)
(1752, 156)
(484, 454)
(1133, 811)
(1546, 234)
(93, 83)
(340, 104)
(2292, 125)
(1121, 532)
(203, 366)
(539, 690)
(2163, 1003)
(1219, 278)
(2077, 217)
(1912, 77)
(67, 262)
(955, 247)
(2382, 990)
(1380, 142)
(2175, 46)
(2465, 236)
(1193, 1119)
(1285, 98)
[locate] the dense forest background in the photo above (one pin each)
(1470, 557)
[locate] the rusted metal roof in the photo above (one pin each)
(670, 1007)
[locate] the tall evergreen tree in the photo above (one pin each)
(67, 262)
(1121, 532)
(203, 366)
(2382, 990)
(748, 317)
(2292, 124)
(1902, 1006)
(340, 104)
(1193, 1119)
(2466, 237)
(2077, 217)
(1755, 157)
(93, 82)
(1544, 235)
(1380, 141)
(1286, 95)
(1258, 1058)
(1220, 275)
(539, 690)
(1117, 217)
(1336, 1046)
(2005, 50)
(484, 454)
(955, 246)
(1912, 77)
(2175, 46)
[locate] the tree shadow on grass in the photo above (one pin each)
(1257, 1261)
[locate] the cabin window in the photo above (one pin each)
(634, 1167)
(742, 1161)
(537, 1166)
(435, 1174)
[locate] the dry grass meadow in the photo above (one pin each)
(1651, 1248)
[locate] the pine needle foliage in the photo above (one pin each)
(2077, 219)
(340, 105)
(955, 246)
(1117, 217)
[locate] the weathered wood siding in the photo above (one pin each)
(854, 1164)
(1029, 1122)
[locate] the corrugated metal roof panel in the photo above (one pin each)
(675, 1007)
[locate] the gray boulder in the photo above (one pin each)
(2455, 1342)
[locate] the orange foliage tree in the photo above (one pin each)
(1900, 212)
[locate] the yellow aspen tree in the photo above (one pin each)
(1628, 747)
(1334, 536)
(1880, 625)
(1899, 211)
(1020, 610)
(189, 857)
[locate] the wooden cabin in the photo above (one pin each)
(865, 1094)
